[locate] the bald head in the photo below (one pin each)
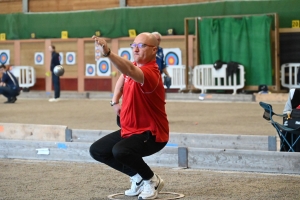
(148, 38)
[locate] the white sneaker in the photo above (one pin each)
(136, 186)
(151, 188)
(54, 100)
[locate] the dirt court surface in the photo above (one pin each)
(29, 179)
(184, 117)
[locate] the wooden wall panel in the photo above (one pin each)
(175, 42)
(89, 52)
(9, 46)
(14, 6)
(135, 3)
(64, 47)
(28, 49)
(70, 5)
(125, 43)
(194, 53)
(40, 84)
(10, 6)
(95, 4)
(69, 84)
(103, 84)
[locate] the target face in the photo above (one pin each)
(70, 58)
(90, 70)
(171, 58)
(39, 58)
(126, 55)
(103, 66)
(3, 57)
(61, 58)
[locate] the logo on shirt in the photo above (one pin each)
(126, 79)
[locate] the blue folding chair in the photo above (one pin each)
(288, 136)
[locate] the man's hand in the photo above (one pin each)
(102, 44)
(117, 108)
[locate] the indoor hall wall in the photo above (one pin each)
(64, 46)
(26, 52)
(28, 49)
(136, 3)
(15, 6)
(22, 54)
(10, 6)
(9, 46)
(95, 83)
(70, 5)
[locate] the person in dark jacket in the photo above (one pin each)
(55, 79)
(9, 85)
(160, 61)
(160, 56)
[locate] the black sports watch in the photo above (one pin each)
(112, 103)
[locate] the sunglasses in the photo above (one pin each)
(140, 45)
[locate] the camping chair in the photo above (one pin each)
(288, 136)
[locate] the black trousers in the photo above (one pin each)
(8, 92)
(56, 85)
(125, 154)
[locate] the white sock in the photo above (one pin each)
(137, 177)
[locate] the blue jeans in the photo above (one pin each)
(126, 154)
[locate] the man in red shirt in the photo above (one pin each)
(144, 125)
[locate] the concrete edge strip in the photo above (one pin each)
(195, 158)
(199, 140)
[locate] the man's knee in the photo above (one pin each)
(95, 152)
(121, 153)
(99, 154)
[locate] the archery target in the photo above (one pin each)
(39, 58)
(103, 67)
(126, 53)
(172, 56)
(90, 70)
(4, 57)
(61, 58)
(70, 58)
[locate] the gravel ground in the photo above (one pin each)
(28, 179)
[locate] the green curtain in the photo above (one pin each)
(115, 23)
(245, 40)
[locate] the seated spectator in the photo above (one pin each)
(293, 101)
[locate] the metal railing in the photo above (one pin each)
(289, 73)
(177, 73)
(25, 75)
(206, 77)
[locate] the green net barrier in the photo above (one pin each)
(245, 40)
(113, 23)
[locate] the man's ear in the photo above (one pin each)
(155, 49)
